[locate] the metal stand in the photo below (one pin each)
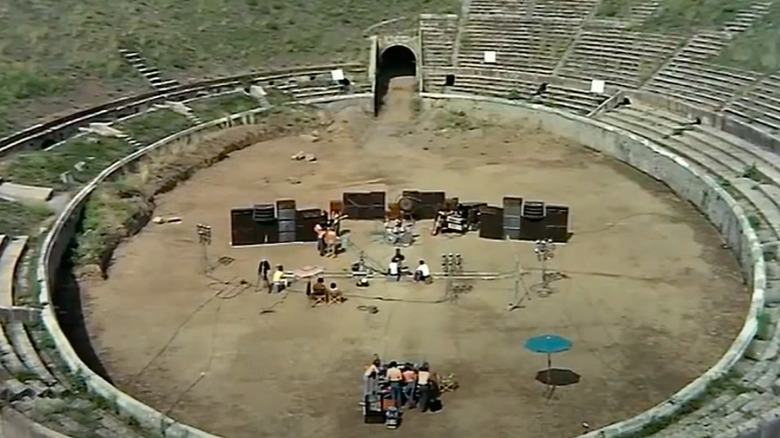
(518, 301)
(204, 239)
(452, 265)
(545, 250)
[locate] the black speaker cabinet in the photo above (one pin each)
(243, 227)
(533, 228)
(246, 230)
(558, 223)
(491, 222)
(364, 205)
(305, 222)
(270, 231)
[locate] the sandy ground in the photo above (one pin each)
(651, 300)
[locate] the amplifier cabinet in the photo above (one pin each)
(491, 222)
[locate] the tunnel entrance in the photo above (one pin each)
(394, 62)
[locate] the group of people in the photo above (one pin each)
(328, 235)
(409, 386)
(278, 280)
(319, 293)
(395, 268)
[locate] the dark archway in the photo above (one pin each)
(394, 61)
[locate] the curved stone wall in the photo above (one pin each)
(689, 184)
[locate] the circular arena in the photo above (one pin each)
(132, 304)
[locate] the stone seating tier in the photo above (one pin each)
(699, 83)
(438, 40)
(579, 101)
(760, 107)
(738, 412)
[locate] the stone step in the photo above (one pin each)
(9, 262)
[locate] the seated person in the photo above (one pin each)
(394, 271)
(335, 295)
(423, 272)
(319, 291)
(331, 240)
(278, 280)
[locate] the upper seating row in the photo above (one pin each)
(530, 9)
(760, 106)
(437, 38)
(532, 46)
(619, 57)
(688, 78)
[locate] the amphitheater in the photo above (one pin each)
(655, 101)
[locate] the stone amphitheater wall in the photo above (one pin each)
(727, 124)
(700, 190)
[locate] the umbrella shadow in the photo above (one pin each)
(555, 377)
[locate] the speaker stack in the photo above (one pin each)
(285, 212)
(491, 222)
(305, 221)
(533, 225)
(512, 212)
(268, 226)
(364, 205)
(243, 228)
(557, 223)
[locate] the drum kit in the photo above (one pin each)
(399, 232)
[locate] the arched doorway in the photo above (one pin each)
(394, 62)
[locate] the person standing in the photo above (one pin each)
(410, 384)
(423, 382)
(395, 376)
(370, 378)
(262, 273)
(320, 231)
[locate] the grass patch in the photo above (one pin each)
(688, 16)
(45, 167)
(210, 109)
(752, 172)
(615, 8)
(758, 48)
(457, 120)
(48, 45)
(154, 125)
(754, 222)
(120, 208)
(21, 219)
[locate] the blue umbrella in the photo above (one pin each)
(548, 344)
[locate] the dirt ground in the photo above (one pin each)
(650, 299)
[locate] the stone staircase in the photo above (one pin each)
(152, 75)
(748, 398)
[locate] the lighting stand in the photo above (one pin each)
(545, 250)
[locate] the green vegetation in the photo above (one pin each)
(758, 48)
(688, 16)
(45, 167)
(210, 109)
(18, 219)
(457, 120)
(615, 8)
(752, 172)
(64, 47)
(154, 125)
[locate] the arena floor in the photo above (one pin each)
(650, 298)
